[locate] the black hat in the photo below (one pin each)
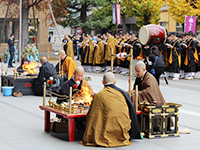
(190, 33)
(28, 42)
(109, 31)
(99, 35)
(11, 34)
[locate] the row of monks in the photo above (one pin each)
(96, 55)
(180, 52)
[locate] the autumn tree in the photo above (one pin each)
(39, 5)
(180, 8)
(146, 11)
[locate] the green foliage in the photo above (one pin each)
(146, 11)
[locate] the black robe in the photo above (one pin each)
(65, 89)
(47, 70)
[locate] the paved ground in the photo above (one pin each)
(21, 125)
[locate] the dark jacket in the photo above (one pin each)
(159, 63)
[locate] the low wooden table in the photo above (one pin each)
(70, 118)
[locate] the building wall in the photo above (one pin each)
(170, 23)
(42, 34)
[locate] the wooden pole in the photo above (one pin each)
(62, 71)
(111, 60)
(59, 60)
(70, 100)
(15, 71)
(130, 71)
(44, 94)
(136, 98)
(47, 53)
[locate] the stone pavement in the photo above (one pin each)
(22, 122)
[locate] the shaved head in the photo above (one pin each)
(62, 52)
(140, 65)
(78, 73)
(109, 77)
(79, 69)
(43, 59)
(140, 69)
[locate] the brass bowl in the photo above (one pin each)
(81, 109)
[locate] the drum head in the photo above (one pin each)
(144, 35)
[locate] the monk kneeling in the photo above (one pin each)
(147, 85)
(149, 90)
(111, 120)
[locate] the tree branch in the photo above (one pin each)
(35, 3)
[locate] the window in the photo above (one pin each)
(163, 24)
(179, 27)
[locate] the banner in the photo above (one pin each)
(190, 24)
(113, 14)
(118, 14)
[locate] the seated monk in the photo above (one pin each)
(47, 71)
(111, 119)
(27, 67)
(68, 65)
(147, 85)
(148, 90)
(77, 83)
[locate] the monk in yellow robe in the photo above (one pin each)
(99, 60)
(121, 39)
(69, 47)
(82, 47)
(89, 54)
(111, 119)
(68, 65)
(110, 44)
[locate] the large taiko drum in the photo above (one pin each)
(150, 32)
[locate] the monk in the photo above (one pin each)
(68, 65)
(111, 119)
(76, 82)
(147, 85)
(149, 91)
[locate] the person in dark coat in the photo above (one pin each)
(11, 43)
(47, 70)
(157, 62)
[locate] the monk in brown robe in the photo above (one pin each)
(111, 119)
(149, 90)
(147, 85)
